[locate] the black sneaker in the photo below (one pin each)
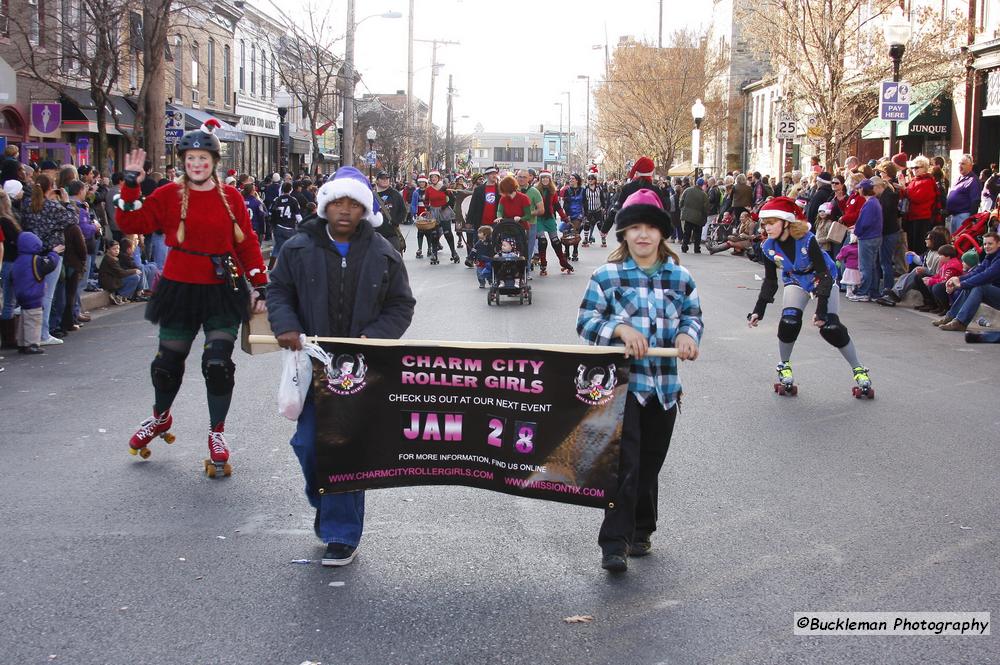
(339, 554)
(316, 524)
(641, 547)
(614, 563)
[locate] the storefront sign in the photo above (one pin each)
(46, 117)
(537, 423)
(255, 122)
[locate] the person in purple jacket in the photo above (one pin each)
(868, 229)
(28, 276)
(981, 284)
(963, 199)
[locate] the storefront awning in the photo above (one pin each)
(329, 157)
(301, 147)
(930, 116)
(79, 114)
(194, 118)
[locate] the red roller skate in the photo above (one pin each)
(218, 462)
(157, 425)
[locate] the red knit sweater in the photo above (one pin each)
(208, 229)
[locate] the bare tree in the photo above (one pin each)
(644, 106)
(307, 68)
(831, 55)
(85, 50)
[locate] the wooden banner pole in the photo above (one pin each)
(570, 348)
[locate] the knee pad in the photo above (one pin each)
(790, 324)
(167, 369)
(218, 368)
(543, 244)
(835, 332)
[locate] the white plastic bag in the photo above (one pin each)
(296, 375)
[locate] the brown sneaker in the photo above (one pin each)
(943, 320)
(953, 326)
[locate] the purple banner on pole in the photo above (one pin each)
(46, 117)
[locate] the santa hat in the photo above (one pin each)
(232, 172)
(421, 178)
(210, 125)
(352, 183)
(643, 207)
(545, 173)
(781, 207)
(435, 172)
(643, 168)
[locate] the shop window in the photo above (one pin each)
(178, 69)
(226, 65)
(195, 69)
(253, 69)
(211, 70)
(243, 65)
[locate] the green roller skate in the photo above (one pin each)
(864, 387)
(785, 384)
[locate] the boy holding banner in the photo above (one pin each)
(641, 298)
(337, 278)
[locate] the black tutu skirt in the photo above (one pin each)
(189, 306)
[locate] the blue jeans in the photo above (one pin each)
(9, 301)
(885, 253)
(955, 221)
(341, 516)
(158, 249)
(281, 234)
(51, 281)
(968, 301)
(868, 264)
(78, 306)
(130, 285)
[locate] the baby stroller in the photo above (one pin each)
(970, 234)
(510, 269)
(719, 231)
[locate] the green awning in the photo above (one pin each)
(929, 116)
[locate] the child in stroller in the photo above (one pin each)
(481, 253)
(509, 265)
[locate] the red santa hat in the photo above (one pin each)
(900, 159)
(210, 125)
(231, 172)
(781, 207)
(545, 173)
(422, 177)
(643, 168)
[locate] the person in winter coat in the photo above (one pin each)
(742, 196)
(337, 278)
(694, 214)
(75, 264)
(48, 213)
(964, 198)
(921, 193)
(979, 285)
(574, 203)
(33, 263)
(822, 194)
(869, 233)
(393, 211)
(640, 177)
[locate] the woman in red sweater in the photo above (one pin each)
(212, 248)
(922, 194)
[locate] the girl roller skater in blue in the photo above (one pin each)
(807, 272)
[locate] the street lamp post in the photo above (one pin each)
(283, 101)
(587, 76)
(569, 130)
(372, 135)
(560, 105)
(897, 31)
(347, 150)
(698, 113)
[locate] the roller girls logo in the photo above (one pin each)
(595, 385)
(347, 374)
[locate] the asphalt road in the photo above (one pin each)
(768, 506)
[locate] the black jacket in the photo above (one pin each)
(627, 190)
(823, 194)
(478, 202)
(300, 293)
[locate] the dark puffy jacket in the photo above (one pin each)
(299, 298)
(30, 269)
(49, 222)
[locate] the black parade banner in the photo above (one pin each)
(544, 424)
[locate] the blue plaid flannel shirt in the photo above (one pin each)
(659, 307)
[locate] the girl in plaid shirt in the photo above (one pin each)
(641, 298)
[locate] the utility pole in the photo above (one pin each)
(569, 130)
(660, 24)
(347, 150)
(449, 140)
(430, 103)
(408, 149)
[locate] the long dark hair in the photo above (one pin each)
(43, 185)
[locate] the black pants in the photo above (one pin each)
(691, 231)
(916, 233)
(646, 432)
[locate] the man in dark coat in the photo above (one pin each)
(641, 177)
(822, 194)
(337, 278)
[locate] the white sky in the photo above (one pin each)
(546, 43)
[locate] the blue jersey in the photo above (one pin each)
(797, 270)
(573, 200)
